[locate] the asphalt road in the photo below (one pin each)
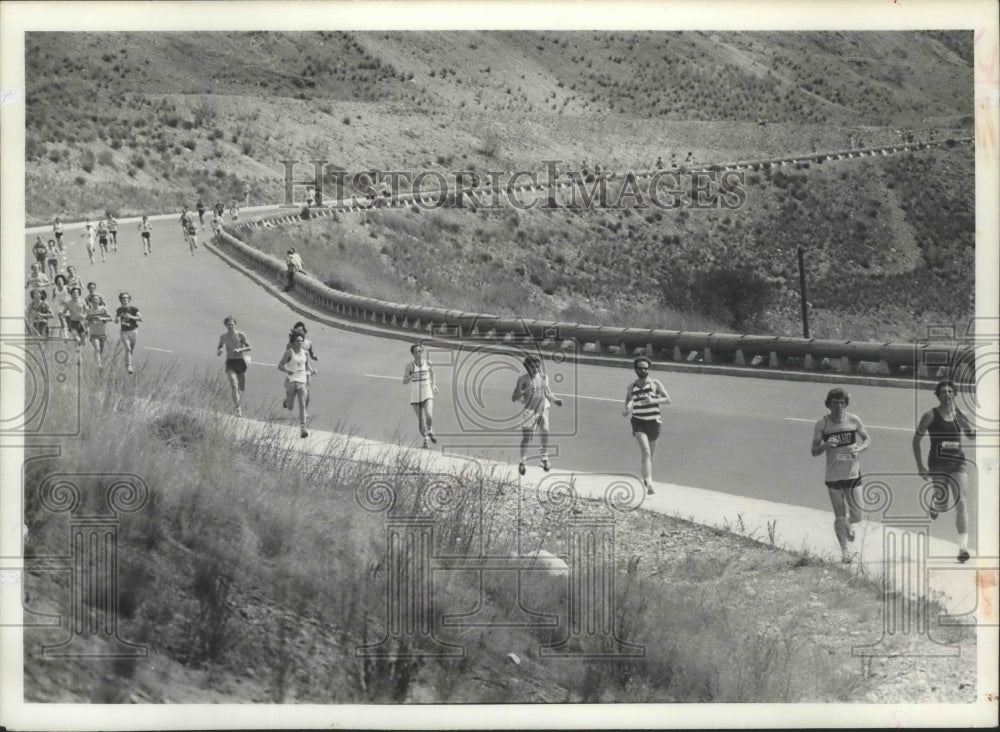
(742, 436)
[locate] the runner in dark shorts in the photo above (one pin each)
(946, 462)
(643, 398)
(236, 346)
(841, 437)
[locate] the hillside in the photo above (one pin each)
(147, 122)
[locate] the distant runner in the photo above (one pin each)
(52, 258)
(113, 231)
(57, 230)
(236, 346)
(532, 390)
(75, 315)
(145, 229)
(91, 236)
(39, 313)
(946, 461)
(97, 319)
(420, 376)
(102, 239)
(40, 251)
(643, 398)
(841, 436)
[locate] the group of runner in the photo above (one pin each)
(295, 363)
(79, 318)
(841, 437)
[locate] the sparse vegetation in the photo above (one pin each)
(221, 577)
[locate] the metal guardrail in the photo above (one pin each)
(776, 352)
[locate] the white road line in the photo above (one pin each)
(161, 350)
(869, 426)
(262, 363)
(570, 396)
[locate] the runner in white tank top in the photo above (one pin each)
(295, 364)
(420, 376)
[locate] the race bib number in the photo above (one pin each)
(848, 456)
(950, 447)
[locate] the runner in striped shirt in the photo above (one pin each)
(642, 404)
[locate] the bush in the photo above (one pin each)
(179, 429)
(735, 294)
(87, 161)
(79, 180)
(106, 158)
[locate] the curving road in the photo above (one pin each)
(737, 435)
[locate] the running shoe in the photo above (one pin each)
(963, 555)
(649, 489)
(545, 464)
(239, 412)
(304, 432)
(131, 370)
(426, 445)
(286, 404)
(433, 438)
(850, 534)
(520, 468)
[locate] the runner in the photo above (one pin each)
(236, 346)
(297, 379)
(92, 293)
(842, 437)
(420, 376)
(220, 209)
(201, 213)
(60, 296)
(57, 229)
(216, 228)
(532, 390)
(234, 209)
(102, 239)
(40, 251)
(129, 317)
(52, 258)
(97, 320)
(145, 229)
(643, 398)
(37, 279)
(72, 278)
(113, 231)
(300, 328)
(191, 236)
(39, 313)
(91, 237)
(75, 315)
(945, 424)
(185, 218)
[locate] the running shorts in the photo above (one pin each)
(843, 485)
(236, 365)
(649, 427)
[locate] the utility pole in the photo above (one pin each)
(802, 293)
